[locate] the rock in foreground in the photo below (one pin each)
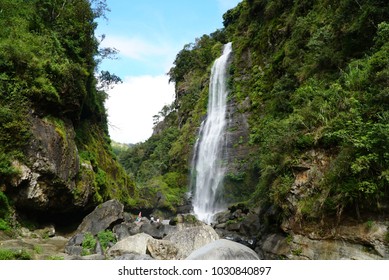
(223, 249)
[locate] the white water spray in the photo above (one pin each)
(208, 170)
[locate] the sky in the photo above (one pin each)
(148, 35)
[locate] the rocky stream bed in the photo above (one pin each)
(110, 233)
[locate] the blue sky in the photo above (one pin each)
(148, 35)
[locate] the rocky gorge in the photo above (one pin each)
(110, 233)
(305, 155)
(128, 239)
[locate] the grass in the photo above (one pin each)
(8, 254)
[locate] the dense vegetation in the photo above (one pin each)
(48, 63)
(312, 77)
(316, 76)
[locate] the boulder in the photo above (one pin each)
(74, 245)
(162, 249)
(133, 244)
(223, 250)
(250, 226)
(121, 231)
(104, 216)
(156, 230)
(250, 242)
(189, 239)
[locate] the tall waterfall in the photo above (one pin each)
(208, 170)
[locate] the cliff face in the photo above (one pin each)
(54, 147)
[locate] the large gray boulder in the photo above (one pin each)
(223, 249)
(104, 216)
(190, 239)
(133, 244)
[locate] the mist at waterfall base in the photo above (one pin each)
(207, 165)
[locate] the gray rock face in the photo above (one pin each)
(223, 250)
(48, 178)
(189, 239)
(301, 247)
(103, 217)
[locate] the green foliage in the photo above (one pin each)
(7, 254)
(4, 206)
(315, 75)
(108, 177)
(105, 238)
(6, 170)
(88, 244)
(55, 258)
(4, 225)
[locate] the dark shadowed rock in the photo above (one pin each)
(73, 247)
(223, 250)
(121, 231)
(104, 216)
(156, 230)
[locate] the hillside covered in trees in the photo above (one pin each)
(307, 140)
(310, 79)
(55, 153)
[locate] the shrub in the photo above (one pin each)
(88, 244)
(105, 237)
(8, 254)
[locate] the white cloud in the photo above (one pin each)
(132, 105)
(135, 48)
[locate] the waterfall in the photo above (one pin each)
(208, 170)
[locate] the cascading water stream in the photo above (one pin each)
(208, 170)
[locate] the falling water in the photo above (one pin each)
(208, 167)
